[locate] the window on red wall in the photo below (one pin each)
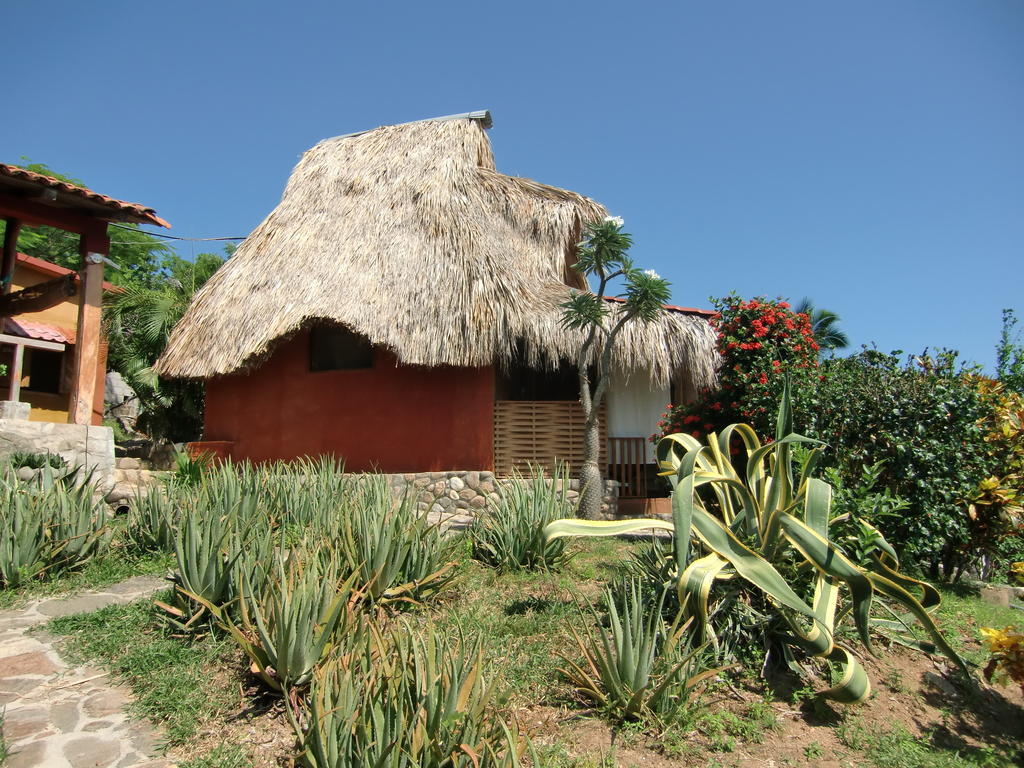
(333, 348)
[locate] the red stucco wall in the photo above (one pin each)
(394, 418)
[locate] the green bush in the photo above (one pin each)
(509, 535)
(925, 420)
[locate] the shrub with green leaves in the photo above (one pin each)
(925, 418)
(762, 539)
(509, 535)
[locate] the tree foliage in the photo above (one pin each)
(824, 326)
(602, 257)
(139, 320)
(1010, 355)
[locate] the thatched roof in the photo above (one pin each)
(408, 235)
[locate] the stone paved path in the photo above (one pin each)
(59, 716)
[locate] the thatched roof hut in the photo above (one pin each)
(408, 235)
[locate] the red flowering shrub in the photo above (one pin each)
(759, 340)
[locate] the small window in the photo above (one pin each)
(44, 369)
(338, 349)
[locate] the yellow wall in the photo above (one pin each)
(64, 314)
(45, 406)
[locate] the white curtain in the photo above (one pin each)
(635, 407)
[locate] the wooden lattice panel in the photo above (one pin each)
(540, 433)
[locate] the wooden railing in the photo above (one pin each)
(627, 463)
(540, 433)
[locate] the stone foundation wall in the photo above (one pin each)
(463, 493)
(449, 497)
(78, 444)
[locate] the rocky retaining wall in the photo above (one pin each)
(463, 493)
(448, 496)
(78, 444)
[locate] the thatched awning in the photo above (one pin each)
(408, 235)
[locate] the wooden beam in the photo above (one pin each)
(35, 214)
(19, 356)
(87, 348)
(10, 254)
(38, 297)
(50, 346)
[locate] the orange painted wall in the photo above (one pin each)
(393, 418)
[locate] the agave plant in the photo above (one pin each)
(637, 665)
(752, 527)
(397, 699)
(509, 536)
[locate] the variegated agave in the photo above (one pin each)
(750, 528)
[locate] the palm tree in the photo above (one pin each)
(139, 320)
(825, 325)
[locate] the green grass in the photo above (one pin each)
(116, 565)
(962, 613)
(898, 748)
(524, 617)
(3, 742)
(170, 676)
(224, 756)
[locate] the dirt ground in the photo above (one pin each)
(911, 691)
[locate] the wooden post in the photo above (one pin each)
(87, 344)
(10, 253)
(19, 357)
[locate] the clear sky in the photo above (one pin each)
(869, 154)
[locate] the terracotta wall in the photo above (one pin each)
(393, 418)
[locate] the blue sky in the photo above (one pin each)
(866, 154)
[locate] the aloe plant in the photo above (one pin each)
(153, 518)
(398, 556)
(509, 535)
(289, 626)
(637, 665)
(22, 534)
(78, 525)
(753, 526)
(398, 699)
(49, 524)
(203, 576)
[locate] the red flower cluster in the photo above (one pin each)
(759, 341)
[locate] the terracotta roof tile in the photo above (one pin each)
(41, 331)
(138, 213)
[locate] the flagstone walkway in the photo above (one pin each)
(61, 716)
